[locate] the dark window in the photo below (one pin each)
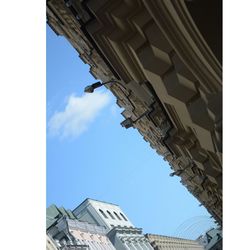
(103, 214)
(123, 217)
(111, 215)
(117, 216)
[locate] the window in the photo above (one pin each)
(111, 215)
(103, 214)
(123, 217)
(117, 216)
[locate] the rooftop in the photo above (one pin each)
(89, 199)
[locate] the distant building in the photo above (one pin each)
(75, 234)
(101, 225)
(102, 214)
(50, 244)
(160, 242)
(53, 213)
(70, 233)
(121, 232)
(212, 240)
(124, 238)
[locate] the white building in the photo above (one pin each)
(102, 213)
(124, 238)
(120, 231)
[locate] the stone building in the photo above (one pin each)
(162, 61)
(160, 242)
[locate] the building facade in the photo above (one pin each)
(93, 225)
(165, 62)
(67, 232)
(120, 231)
(101, 213)
(50, 244)
(160, 242)
(75, 234)
(124, 238)
(212, 239)
(101, 225)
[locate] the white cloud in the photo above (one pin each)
(78, 114)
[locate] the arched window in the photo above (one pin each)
(123, 217)
(111, 215)
(117, 216)
(103, 214)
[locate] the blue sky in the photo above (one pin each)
(89, 154)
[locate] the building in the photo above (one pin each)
(53, 213)
(160, 242)
(124, 238)
(101, 225)
(50, 244)
(120, 231)
(101, 213)
(212, 239)
(67, 232)
(162, 61)
(93, 225)
(75, 234)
